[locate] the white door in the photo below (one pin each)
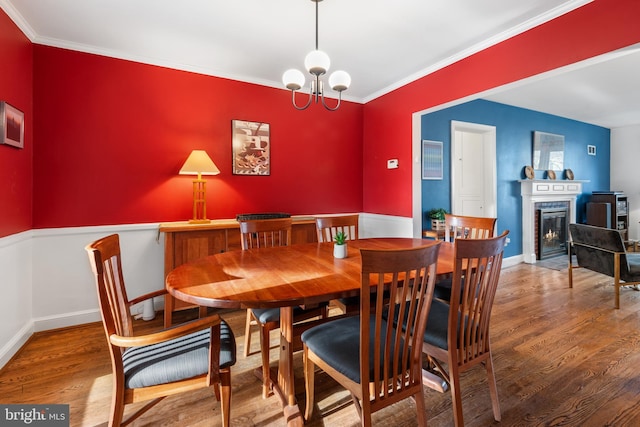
(473, 169)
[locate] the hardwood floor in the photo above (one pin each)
(563, 357)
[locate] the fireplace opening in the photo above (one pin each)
(552, 232)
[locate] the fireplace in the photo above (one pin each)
(544, 194)
(551, 232)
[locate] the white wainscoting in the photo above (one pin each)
(47, 281)
(16, 314)
(375, 225)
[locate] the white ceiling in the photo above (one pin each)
(603, 91)
(383, 44)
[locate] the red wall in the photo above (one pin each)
(15, 164)
(596, 28)
(112, 135)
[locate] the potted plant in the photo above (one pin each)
(437, 218)
(340, 245)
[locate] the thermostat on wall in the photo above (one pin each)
(392, 164)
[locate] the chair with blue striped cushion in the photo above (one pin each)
(378, 363)
(151, 367)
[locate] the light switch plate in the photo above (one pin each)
(392, 164)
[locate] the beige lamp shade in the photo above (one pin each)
(199, 163)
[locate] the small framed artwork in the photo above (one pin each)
(432, 162)
(251, 148)
(11, 125)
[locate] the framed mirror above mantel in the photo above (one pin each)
(548, 151)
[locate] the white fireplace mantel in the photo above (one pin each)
(544, 190)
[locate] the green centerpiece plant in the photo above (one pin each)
(340, 245)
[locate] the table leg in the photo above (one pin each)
(286, 389)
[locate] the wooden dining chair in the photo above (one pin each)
(261, 233)
(468, 227)
(327, 227)
(378, 363)
(458, 332)
(462, 227)
(151, 367)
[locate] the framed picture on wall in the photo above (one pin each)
(432, 162)
(251, 148)
(11, 125)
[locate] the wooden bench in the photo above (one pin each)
(602, 250)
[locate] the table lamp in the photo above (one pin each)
(199, 163)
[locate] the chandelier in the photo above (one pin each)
(317, 64)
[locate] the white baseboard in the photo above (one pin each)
(15, 344)
(44, 324)
(67, 319)
(512, 261)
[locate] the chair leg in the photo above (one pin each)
(225, 400)
(616, 275)
(309, 383)
(364, 410)
(570, 270)
(117, 404)
(247, 333)
(265, 344)
(456, 396)
(216, 391)
(325, 312)
(202, 312)
(493, 389)
(421, 408)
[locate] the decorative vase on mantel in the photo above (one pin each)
(340, 245)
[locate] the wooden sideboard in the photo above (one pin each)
(185, 242)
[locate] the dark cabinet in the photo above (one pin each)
(609, 210)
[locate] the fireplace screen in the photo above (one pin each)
(552, 232)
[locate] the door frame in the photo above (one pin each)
(488, 133)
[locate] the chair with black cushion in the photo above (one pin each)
(378, 363)
(327, 227)
(462, 227)
(151, 367)
(458, 332)
(261, 233)
(602, 250)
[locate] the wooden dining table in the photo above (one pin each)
(298, 275)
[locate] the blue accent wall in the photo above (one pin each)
(514, 147)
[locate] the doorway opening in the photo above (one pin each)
(473, 169)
